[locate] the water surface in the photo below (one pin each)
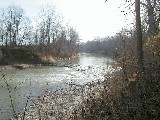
(34, 81)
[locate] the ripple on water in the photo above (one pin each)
(88, 68)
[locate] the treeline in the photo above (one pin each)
(46, 33)
(122, 48)
(109, 45)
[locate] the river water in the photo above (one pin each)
(34, 81)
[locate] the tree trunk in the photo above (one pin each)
(6, 42)
(153, 28)
(139, 39)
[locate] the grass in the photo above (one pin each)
(49, 59)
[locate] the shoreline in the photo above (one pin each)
(24, 66)
(57, 63)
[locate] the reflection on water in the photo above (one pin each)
(86, 68)
(93, 60)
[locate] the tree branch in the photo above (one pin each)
(144, 4)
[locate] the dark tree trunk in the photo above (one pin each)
(153, 28)
(6, 42)
(139, 38)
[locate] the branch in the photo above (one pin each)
(130, 4)
(155, 3)
(144, 4)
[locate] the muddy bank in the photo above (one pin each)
(17, 55)
(23, 57)
(24, 66)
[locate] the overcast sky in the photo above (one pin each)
(91, 18)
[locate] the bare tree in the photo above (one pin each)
(14, 18)
(73, 38)
(2, 27)
(151, 15)
(13, 25)
(139, 38)
(48, 24)
(26, 33)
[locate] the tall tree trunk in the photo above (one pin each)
(6, 42)
(153, 28)
(140, 85)
(139, 38)
(10, 37)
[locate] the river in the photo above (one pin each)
(34, 81)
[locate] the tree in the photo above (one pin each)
(49, 24)
(2, 27)
(139, 38)
(13, 25)
(26, 35)
(152, 8)
(14, 18)
(73, 38)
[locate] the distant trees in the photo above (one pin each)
(15, 26)
(52, 37)
(107, 45)
(49, 25)
(47, 34)
(73, 39)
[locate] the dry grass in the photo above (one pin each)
(49, 59)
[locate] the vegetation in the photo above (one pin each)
(132, 93)
(45, 38)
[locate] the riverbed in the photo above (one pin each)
(34, 81)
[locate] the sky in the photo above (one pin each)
(91, 18)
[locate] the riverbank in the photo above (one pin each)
(24, 66)
(124, 99)
(25, 57)
(113, 98)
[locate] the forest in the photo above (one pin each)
(45, 37)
